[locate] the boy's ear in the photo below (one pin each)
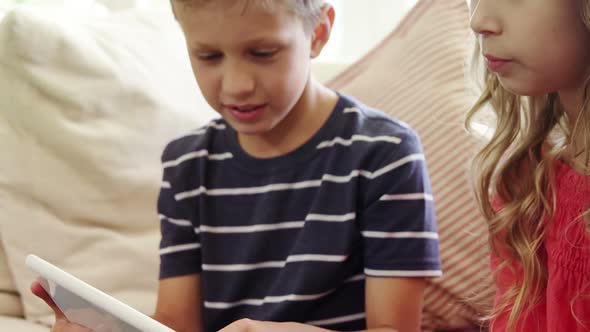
(321, 33)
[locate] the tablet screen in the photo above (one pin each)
(87, 306)
(82, 312)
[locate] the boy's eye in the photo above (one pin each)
(209, 56)
(263, 53)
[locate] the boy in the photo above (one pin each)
(300, 205)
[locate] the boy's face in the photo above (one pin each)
(252, 65)
(544, 42)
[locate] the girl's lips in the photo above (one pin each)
(496, 64)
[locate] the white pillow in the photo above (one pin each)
(10, 304)
(11, 324)
(3, 11)
(86, 106)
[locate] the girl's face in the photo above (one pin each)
(535, 47)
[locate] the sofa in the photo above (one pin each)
(88, 100)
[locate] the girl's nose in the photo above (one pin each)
(484, 18)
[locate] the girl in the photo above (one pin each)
(533, 176)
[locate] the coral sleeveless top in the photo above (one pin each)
(565, 304)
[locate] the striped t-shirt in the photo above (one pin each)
(292, 238)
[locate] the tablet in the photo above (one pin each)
(87, 306)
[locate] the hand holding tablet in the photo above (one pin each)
(87, 306)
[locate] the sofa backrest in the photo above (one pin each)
(10, 304)
(417, 74)
(87, 104)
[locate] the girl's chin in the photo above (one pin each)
(524, 89)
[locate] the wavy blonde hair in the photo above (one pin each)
(516, 167)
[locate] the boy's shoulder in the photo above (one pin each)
(374, 122)
(353, 119)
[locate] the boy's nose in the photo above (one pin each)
(484, 19)
(237, 82)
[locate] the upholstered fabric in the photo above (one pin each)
(417, 75)
(9, 299)
(10, 304)
(87, 104)
(10, 324)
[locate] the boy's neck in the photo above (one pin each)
(307, 116)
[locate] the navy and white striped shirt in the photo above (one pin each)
(291, 238)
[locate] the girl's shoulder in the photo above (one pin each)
(567, 234)
(571, 184)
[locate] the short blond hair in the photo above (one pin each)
(309, 10)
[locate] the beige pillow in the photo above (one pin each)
(417, 75)
(10, 304)
(19, 325)
(87, 105)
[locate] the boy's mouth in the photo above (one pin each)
(245, 108)
(247, 112)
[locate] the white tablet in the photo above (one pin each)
(88, 306)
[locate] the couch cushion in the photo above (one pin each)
(417, 75)
(14, 324)
(87, 105)
(10, 304)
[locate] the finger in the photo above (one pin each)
(231, 328)
(62, 325)
(39, 291)
(242, 325)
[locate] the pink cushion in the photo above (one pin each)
(417, 75)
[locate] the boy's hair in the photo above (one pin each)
(517, 167)
(309, 10)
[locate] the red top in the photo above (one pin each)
(565, 304)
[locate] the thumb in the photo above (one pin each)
(38, 289)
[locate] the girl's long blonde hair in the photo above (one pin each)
(516, 169)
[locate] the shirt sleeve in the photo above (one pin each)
(180, 247)
(398, 222)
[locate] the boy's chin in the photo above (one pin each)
(248, 130)
(249, 133)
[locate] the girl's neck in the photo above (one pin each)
(572, 101)
(576, 161)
